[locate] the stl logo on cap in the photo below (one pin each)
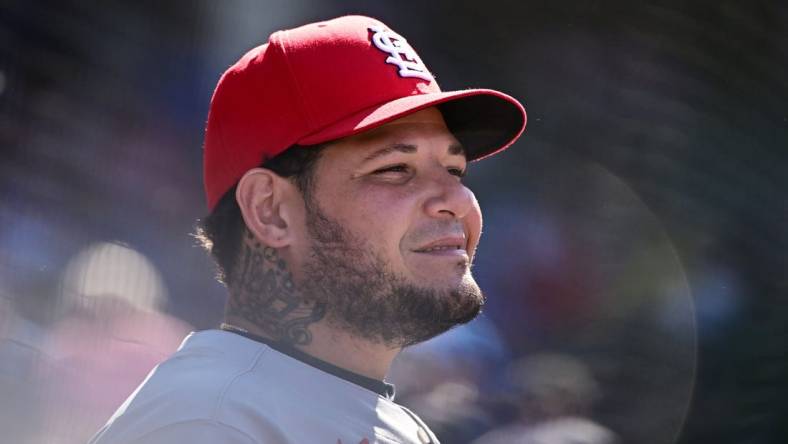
(400, 53)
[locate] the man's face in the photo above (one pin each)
(392, 232)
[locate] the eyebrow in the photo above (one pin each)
(455, 149)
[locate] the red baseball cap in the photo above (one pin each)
(332, 79)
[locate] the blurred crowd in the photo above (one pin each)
(61, 381)
(632, 251)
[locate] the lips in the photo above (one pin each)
(439, 248)
(444, 245)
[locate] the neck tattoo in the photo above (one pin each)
(262, 293)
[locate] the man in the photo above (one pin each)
(340, 224)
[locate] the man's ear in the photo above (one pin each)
(263, 197)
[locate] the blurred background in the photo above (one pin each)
(634, 247)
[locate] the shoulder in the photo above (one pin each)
(196, 431)
(204, 386)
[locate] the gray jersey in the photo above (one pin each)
(222, 387)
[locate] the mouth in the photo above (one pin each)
(448, 246)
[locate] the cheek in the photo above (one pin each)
(473, 222)
(382, 214)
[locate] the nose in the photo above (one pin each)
(449, 198)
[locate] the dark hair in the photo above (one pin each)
(220, 232)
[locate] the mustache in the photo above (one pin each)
(438, 229)
(433, 231)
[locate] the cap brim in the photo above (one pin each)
(485, 121)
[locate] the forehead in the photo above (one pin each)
(424, 129)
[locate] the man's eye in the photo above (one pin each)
(459, 172)
(401, 168)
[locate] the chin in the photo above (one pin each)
(443, 278)
(451, 307)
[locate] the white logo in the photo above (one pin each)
(400, 53)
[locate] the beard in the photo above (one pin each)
(364, 297)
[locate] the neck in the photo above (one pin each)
(360, 356)
(264, 301)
